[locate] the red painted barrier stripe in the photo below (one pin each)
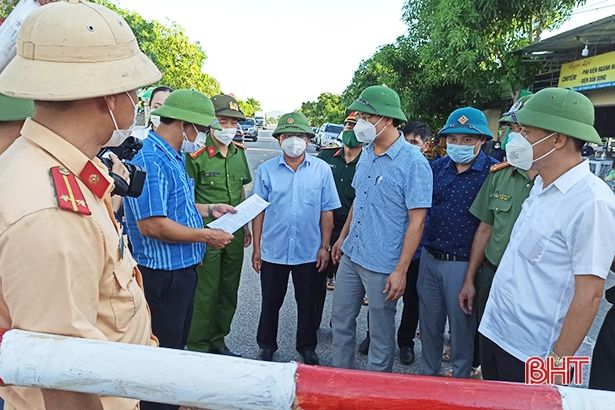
(325, 388)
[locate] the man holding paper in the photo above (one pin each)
(293, 235)
(220, 171)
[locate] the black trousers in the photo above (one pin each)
(170, 296)
(497, 364)
(410, 313)
(274, 282)
(602, 374)
(328, 273)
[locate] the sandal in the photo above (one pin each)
(447, 354)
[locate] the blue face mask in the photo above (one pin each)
(461, 154)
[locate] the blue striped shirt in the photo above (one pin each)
(387, 186)
(168, 192)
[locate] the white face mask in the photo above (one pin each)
(155, 120)
(520, 153)
(294, 146)
(188, 147)
(366, 132)
(226, 135)
(119, 136)
(201, 137)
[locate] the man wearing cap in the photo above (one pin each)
(550, 281)
(508, 120)
(164, 223)
(457, 179)
(343, 163)
(64, 267)
(220, 171)
(13, 113)
(293, 235)
(393, 189)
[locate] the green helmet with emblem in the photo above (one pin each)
(509, 116)
(227, 106)
(15, 109)
(293, 122)
(188, 105)
(379, 100)
(73, 50)
(561, 110)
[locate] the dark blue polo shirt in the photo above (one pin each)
(451, 225)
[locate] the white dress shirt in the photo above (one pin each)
(564, 230)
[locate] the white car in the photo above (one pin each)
(328, 135)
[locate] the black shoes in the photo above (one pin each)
(309, 357)
(406, 355)
(364, 347)
(265, 355)
(225, 351)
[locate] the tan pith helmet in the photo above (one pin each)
(72, 50)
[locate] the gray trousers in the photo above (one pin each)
(438, 287)
(351, 284)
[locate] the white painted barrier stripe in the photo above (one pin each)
(145, 373)
(576, 398)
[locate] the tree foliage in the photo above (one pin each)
(249, 106)
(327, 108)
(459, 52)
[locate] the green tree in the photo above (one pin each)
(249, 106)
(6, 6)
(327, 108)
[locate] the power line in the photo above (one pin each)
(594, 9)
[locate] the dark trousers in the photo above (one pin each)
(602, 375)
(497, 364)
(170, 296)
(410, 312)
(274, 282)
(328, 273)
(482, 284)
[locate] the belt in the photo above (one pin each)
(443, 256)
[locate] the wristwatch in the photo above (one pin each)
(326, 248)
(210, 211)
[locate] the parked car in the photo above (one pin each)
(250, 130)
(328, 135)
(238, 135)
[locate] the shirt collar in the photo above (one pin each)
(568, 179)
(164, 146)
(393, 150)
(211, 143)
(307, 160)
(69, 156)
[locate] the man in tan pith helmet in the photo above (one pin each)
(64, 267)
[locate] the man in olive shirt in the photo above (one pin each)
(343, 163)
(220, 171)
(497, 205)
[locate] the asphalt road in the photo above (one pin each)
(243, 335)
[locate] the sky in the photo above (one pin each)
(285, 52)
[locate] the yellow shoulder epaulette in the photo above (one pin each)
(497, 167)
(240, 145)
(195, 154)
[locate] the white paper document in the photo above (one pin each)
(246, 211)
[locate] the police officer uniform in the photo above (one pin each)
(64, 267)
(218, 179)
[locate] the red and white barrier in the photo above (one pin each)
(221, 382)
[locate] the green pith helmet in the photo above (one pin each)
(561, 110)
(379, 100)
(15, 109)
(188, 105)
(508, 116)
(293, 122)
(226, 106)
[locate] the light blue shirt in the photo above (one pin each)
(387, 186)
(291, 229)
(168, 191)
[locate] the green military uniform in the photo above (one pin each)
(498, 204)
(218, 179)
